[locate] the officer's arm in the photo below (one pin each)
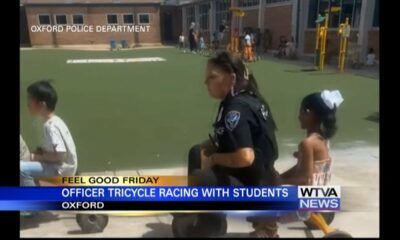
(242, 157)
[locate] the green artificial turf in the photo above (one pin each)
(134, 115)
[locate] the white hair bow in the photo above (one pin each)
(332, 99)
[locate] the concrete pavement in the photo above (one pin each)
(356, 169)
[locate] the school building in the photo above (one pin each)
(39, 13)
(168, 18)
(290, 18)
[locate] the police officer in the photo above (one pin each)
(243, 147)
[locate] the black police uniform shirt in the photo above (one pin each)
(244, 122)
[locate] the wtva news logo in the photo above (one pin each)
(321, 198)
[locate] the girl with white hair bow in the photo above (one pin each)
(317, 116)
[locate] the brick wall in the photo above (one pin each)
(250, 19)
(373, 41)
(278, 20)
(94, 15)
(176, 23)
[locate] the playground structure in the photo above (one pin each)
(237, 19)
(344, 33)
(320, 42)
(321, 39)
(234, 45)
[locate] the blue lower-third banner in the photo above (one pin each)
(169, 198)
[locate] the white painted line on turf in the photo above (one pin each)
(116, 60)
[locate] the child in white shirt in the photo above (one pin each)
(57, 154)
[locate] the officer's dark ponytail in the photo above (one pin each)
(244, 79)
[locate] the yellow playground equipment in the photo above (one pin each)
(237, 17)
(344, 33)
(320, 42)
(321, 37)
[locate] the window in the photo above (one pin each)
(348, 9)
(112, 19)
(376, 14)
(144, 18)
(222, 12)
(355, 20)
(334, 17)
(61, 19)
(189, 16)
(204, 8)
(44, 19)
(351, 9)
(276, 1)
(248, 3)
(312, 13)
(128, 19)
(323, 6)
(77, 19)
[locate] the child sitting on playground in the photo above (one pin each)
(57, 155)
(282, 47)
(371, 61)
(290, 50)
(317, 117)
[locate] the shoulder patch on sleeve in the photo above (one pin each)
(264, 112)
(232, 119)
